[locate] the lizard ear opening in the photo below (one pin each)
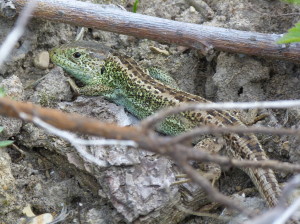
(76, 55)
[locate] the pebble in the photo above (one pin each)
(42, 60)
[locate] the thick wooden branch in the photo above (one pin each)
(163, 30)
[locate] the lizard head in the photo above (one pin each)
(83, 60)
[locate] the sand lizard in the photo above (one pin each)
(121, 80)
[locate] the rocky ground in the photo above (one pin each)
(50, 175)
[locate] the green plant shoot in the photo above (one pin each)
(4, 143)
(293, 35)
(2, 93)
(135, 6)
(292, 1)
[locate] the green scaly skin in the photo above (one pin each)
(102, 75)
(121, 80)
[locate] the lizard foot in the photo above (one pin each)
(211, 171)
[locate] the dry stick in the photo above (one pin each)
(191, 35)
(17, 31)
(198, 155)
(203, 130)
(152, 120)
(13, 111)
(146, 139)
(71, 122)
(283, 210)
(213, 194)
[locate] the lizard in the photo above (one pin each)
(121, 80)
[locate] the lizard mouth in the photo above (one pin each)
(54, 56)
(59, 57)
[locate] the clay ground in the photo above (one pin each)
(51, 175)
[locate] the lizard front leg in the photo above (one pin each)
(89, 90)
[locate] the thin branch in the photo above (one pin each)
(199, 155)
(62, 216)
(289, 211)
(195, 36)
(146, 139)
(282, 212)
(290, 186)
(17, 31)
(213, 194)
(74, 139)
(204, 130)
(80, 143)
(70, 122)
(161, 115)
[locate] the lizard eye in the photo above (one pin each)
(76, 55)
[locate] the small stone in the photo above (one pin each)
(42, 60)
(286, 145)
(238, 188)
(38, 187)
(42, 219)
(192, 9)
(160, 51)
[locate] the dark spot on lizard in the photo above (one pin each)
(129, 66)
(254, 147)
(162, 90)
(180, 98)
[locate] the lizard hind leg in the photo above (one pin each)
(209, 170)
(251, 117)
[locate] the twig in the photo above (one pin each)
(79, 143)
(198, 155)
(281, 213)
(285, 215)
(62, 216)
(157, 117)
(290, 186)
(146, 139)
(74, 139)
(213, 194)
(186, 34)
(232, 129)
(17, 31)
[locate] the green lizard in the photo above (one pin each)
(119, 79)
